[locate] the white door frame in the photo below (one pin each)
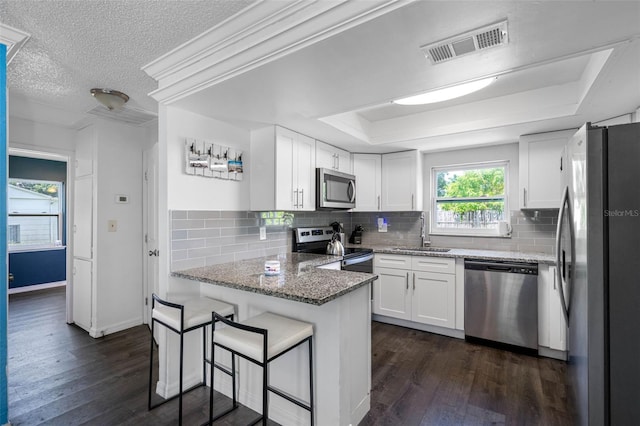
(150, 227)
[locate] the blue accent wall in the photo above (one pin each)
(4, 389)
(37, 169)
(37, 267)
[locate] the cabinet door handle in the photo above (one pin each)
(524, 197)
(295, 194)
(302, 196)
(407, 281)
(554, 281)
(414, 281)
(412, 196)
(338, 161)
(378, 202)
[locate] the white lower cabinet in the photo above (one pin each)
(391, 296)
(82, 292)
(420, 289)
(552, 327)
(434, 298)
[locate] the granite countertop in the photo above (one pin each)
(472, 253)
(300, 279)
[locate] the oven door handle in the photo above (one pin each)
(358, 259)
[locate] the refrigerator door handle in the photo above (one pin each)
(565, 206)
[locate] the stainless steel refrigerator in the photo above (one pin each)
(598, 251)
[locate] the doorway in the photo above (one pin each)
(37, 214)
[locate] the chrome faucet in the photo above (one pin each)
(423, 231)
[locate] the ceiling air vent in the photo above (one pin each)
(126, 114)
(469, 42)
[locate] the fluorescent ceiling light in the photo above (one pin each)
(446, 93)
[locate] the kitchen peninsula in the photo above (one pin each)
(337, 303)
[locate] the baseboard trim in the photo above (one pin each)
(27, 288)
(552, 353)
(96, 332)
(449, 332)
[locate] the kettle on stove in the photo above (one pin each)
(335, 247)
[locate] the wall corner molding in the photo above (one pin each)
(13, 38)
(259, 34)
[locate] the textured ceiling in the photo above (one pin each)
(77, 45)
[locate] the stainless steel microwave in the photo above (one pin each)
(335, 190)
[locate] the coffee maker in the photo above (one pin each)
(356, 235)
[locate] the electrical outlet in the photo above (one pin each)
(112, 225)
(382, 224)
(263, 233)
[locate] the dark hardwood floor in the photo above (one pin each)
(421, 378)
(59, 375)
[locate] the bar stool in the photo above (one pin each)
(260, 340)
(181, 318)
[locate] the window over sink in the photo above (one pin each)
(469, 199)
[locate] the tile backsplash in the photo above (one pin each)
(532, 231)
(202, 238)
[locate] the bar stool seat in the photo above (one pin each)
(284, 333)
(180, 316)
(197, 313)
(260, 340)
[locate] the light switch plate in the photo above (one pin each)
(263, 233)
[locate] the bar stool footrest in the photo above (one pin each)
(171, 398)
(289, 398)
(222, 368)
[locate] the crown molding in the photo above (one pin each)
(259, 34)
(13, 38)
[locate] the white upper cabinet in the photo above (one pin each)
(402, 181)
(83, 232)
(367, 169)
(330, 157)
(283, 170)
(540, 181)
(85, 147)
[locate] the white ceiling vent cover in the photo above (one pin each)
(126, 114)
(463, 44)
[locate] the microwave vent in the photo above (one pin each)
(463, 44)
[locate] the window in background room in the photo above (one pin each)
(34, 214)
(469, 199)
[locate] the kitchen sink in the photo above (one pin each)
(427, 249)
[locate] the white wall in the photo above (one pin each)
(187, 192)
(119, 254)
(507, 152)
(179, 191)
(40, 136)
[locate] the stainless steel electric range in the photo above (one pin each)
(315, 240)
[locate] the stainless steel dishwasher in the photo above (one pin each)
(501, 303)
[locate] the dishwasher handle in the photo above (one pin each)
(497, 266)
(500, 268)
